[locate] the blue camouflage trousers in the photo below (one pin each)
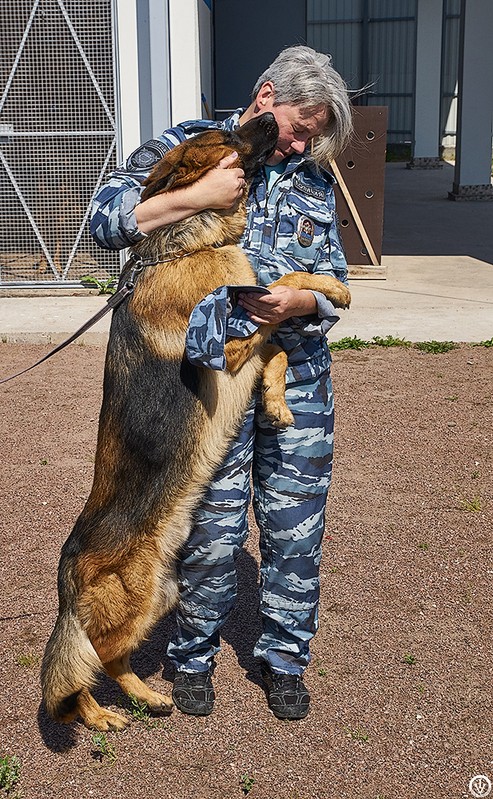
(291, 470)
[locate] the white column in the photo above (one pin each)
(185, 60)
(127, 75)
(472, 178)
(427, 88)
(160, 65)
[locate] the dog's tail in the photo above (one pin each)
(70, 664)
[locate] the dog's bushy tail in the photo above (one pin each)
(70, 664)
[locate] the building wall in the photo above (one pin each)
(450, 52)
(373, 45)
(245, 44)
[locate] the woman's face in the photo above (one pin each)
(297, 126)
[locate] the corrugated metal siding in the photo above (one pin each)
(372, 42)
(336, 28)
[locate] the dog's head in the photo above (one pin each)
(254, 142)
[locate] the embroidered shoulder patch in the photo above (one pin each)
(318, 192)
(146, 155)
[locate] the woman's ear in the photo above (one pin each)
(264, 100)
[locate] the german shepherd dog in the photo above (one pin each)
(164, 429)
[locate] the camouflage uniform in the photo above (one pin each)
(291, 227)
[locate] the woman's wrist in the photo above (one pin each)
(308, 303)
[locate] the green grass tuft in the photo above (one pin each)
(104, 286)
(349, 343)
(390, 341)
(471, 505)
(358, 735)
(246, 783)
(104, 749)
(10, 772)
(27, 660)
(436, 347)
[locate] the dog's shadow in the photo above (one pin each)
(241, 631)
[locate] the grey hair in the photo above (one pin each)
(305, 78)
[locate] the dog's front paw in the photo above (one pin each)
(159, 703)
(341, 297)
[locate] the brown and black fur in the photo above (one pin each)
(164, 428)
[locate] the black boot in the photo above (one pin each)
(287, 694)
(193, 692)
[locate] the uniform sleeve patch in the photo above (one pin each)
(318, 192)
(146, 156)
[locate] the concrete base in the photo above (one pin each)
(425, 163)
(356, 272)
(477, 192)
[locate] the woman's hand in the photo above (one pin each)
(221, 187)
(282, 303)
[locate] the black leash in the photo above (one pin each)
(113, 302)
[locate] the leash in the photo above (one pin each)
(113, 302)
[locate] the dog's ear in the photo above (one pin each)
(186, 163)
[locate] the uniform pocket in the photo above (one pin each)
(303, 228)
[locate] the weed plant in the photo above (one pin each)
(10, 772)
(104, 748)
(436, 347)
(104, 286)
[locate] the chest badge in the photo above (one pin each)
(305, 231)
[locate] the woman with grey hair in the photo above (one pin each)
(291, 226)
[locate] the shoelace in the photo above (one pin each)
(196, 679)
(286, 681)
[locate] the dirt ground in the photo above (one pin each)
(401, 677)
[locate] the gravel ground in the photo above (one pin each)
(402, 669)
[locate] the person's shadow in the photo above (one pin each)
(241, 631)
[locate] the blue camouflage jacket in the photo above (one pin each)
(292, 227)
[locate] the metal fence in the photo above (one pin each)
(57, 138)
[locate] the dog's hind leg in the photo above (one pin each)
(97, 718)
(274, 386)
(121, 671)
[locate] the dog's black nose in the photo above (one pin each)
(268, 121)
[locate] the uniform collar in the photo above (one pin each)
(233, 122)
